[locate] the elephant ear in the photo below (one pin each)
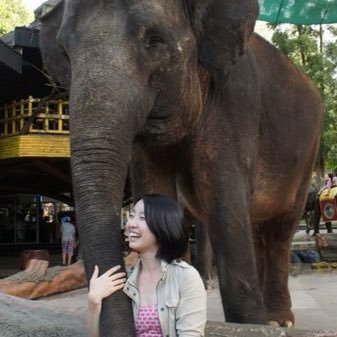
(54, 58)
(222, 29)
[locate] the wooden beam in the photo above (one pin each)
(52, 171)
(69, 200)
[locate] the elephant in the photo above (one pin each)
(201, 255)
(200, 108)
(312, 214)
(309, 210)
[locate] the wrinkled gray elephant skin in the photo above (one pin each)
(201, 108)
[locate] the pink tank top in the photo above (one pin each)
(148, 324)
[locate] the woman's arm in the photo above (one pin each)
(100, 288)
(191, 313)
(94, 311)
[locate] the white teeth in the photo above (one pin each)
(134, 235)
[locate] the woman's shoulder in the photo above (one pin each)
(183, 268)
(181, 263)
(186, 276)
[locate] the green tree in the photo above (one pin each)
(13, 13)
(314, 51)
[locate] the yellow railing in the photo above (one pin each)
(32, 116)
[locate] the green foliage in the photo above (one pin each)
(13, 13)
(314, 51)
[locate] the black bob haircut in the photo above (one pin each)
(164, 217)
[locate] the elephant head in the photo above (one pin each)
(134, 70)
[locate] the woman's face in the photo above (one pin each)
(141, 239)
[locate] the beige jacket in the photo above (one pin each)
(181, 299)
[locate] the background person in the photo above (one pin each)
(329, 181)
(68, 240)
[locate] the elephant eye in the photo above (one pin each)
(154, 41)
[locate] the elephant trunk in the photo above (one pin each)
(98, 188)
(101, 143)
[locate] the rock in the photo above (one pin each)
(218, 329)
(327, 245)
(38, 280)
(320, 265)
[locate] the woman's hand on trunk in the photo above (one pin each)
(103, 286)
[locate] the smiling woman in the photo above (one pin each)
(167, 294)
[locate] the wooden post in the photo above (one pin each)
(60, 113)
(6, 121)
(22, 112)
(46, 119)
(13, 116)
(30, 111)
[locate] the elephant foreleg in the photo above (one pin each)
(278, 237)
(204, 255)
(233, 249)
(317, 216)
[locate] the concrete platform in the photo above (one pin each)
(313, 292)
